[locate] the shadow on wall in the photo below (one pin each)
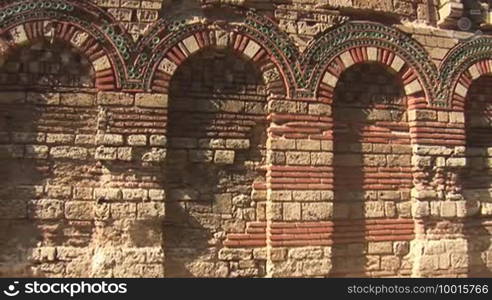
(478, 176)
(348, 252)
(34, 186)
(367, 107)
(216, 124)
(20, 178)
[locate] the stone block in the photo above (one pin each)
(109, 139)
(68, 152)
(79, 210)
(137, 140)
(45, 209)
(317, 211)
(225, 157)
(151, 100)
(77, 99)
(148, 210)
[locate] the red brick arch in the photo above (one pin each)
(29, 32)
(460, 89)
(238, 43)
(367, 54)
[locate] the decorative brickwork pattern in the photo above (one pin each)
(244, 138)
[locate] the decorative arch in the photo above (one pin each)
(463, 64)
(359, 42)
(259, 40)
(79, 24)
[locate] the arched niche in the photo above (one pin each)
(48, 121)
(216, 135)
(372, 173)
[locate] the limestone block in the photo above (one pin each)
(320, 109)
(278, 195)
(68, 152)
(223, 203)
(151, 100)
(448, 209)
(456, 162)
(282, 144)
(137, 140)
(373, 160)
(45, 209)
(157, 194)
(235, 254)
(83, 193)
(148, 210)
(85, 139)
(420, 209)
(282, 106)
(212, 143)
(374, 209)
(155, 155)
(316, 211)
(307, 196)
(291, 211)
(58, 138)
(106, 153)
(125, 153)
(123, 210)
(401, 248)
(115, 98)
(237, 143)
(380, 247)
(322, 159)
(298, 158)
(399, 160)
(77, 99)
(79, 210)
(108, 194)
(225, 157)
(109, 139)
(58, 191)
(158, 140)
(135, 194)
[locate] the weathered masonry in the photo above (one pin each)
(246, 138)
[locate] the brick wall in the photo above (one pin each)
(206, 139)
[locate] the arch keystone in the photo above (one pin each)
(372, 54)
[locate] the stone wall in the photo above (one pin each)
(251, 138)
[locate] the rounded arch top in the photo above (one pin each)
(237, 43)
(79, 23)
(256, 37)
(359, 42)
(462, 65)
